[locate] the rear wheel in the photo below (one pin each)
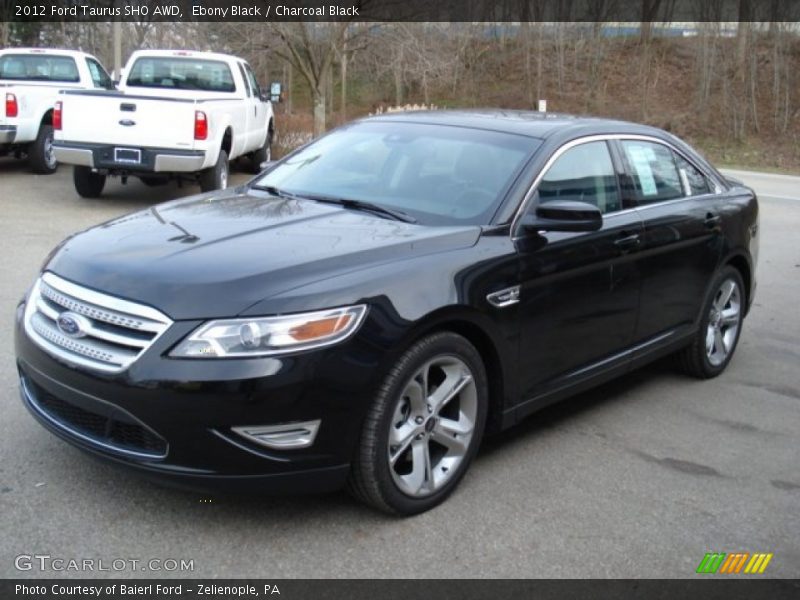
(87, 183)
(424, 427)
(720, 325)
(216, 178)
(41, 155)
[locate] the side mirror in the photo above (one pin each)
(563, 215)
(275, 91)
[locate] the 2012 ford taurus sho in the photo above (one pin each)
(365, 310)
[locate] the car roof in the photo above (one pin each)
(44, 51)
(182, 53)
(534, 124)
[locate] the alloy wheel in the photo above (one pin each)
(432, 426)
(724, 318)
(49, 154)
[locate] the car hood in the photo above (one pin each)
(216, 254)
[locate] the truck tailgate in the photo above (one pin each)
(127, 120)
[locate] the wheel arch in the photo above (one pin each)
(227, 140)
(740, 262)
(47, 118)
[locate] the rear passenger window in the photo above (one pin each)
(584, 173)
(655, 174)
(693, 180)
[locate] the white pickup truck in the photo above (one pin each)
(175, 115)
(30, 80)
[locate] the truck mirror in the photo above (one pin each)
(275, 91)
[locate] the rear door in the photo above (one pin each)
(682, 242)
(579, 295)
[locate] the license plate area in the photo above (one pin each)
(129, 156)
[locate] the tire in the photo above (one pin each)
(262, 155)
(720, 327)
(87, 183)
(216, 178)
(400, 412)
(40, 152)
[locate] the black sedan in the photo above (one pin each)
(369, 307)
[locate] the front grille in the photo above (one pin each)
(117, 431)
(110, 333)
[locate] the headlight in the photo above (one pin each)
(271, 335)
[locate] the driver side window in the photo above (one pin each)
(584, 173)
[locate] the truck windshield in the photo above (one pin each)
(168, 72)
(38, 67)
(437, 174)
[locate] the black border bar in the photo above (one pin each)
(707, 587)
(624, 11)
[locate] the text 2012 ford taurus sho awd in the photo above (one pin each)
(367, 308)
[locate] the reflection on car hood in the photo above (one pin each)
(216, 254)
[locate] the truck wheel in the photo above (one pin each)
(87, 183)
(41, 155)
(262, 155)
(216, 178)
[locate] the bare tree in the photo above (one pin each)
(311, 48)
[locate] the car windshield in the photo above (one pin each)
(38, 67)
(177, 73)
(439, 174)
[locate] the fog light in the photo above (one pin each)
(289, 436)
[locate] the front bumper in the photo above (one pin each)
(8, 134)
(173, 420)
(152, 160)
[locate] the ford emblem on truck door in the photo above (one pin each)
(72, 324)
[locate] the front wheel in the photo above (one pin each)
(720, 325)
(87, 183)
(424, 427)
(262, 155)
(41, 155)
(216, 178)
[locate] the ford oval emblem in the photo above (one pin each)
(127, 122)
(73, 325)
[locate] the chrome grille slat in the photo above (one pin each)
(113, 333)
(88, 310)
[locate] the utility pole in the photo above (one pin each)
(117, 50)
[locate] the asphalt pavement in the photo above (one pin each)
(638, 478)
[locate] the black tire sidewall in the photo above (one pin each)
(87, 183)
(37, 149)
(210, 180)
(447, 344)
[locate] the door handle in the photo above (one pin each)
(627, 242)
(712, 221)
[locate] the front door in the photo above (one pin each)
(579, 296)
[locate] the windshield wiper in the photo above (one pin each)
(397, 215)
(275, 191)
